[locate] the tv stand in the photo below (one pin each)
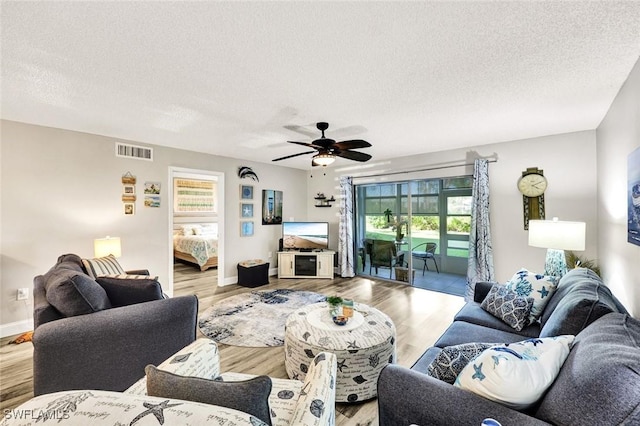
(305, 264)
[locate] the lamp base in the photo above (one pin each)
(555, 264)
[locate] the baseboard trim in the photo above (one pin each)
(17, 327)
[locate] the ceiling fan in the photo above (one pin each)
(328, 149)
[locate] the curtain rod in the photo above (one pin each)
(421, 170)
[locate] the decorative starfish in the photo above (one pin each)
(353, 345)
(155, 409)
(342, 364)
(478, 374)
(543, 292)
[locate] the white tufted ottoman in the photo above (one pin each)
(363, 347)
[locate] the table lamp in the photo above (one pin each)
(556, 236)
(105, 246)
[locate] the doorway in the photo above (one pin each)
(196, 220)
(416, 215)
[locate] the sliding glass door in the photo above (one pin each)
(401, 225)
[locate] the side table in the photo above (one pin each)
(253, 273)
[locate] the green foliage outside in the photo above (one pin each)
(424, 229)
(423, 223)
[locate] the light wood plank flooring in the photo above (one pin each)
(420, 316)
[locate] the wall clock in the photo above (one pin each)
(532, 185)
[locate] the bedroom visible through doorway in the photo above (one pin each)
(197, 221)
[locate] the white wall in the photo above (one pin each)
(61, 189)
(618, 135)
(568, 161)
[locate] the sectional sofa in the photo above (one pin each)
(597, 383)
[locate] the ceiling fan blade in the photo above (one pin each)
(294, 155)
(354, 155)
(306, 144)
(352, 144)
(302, 130)
(345, 132)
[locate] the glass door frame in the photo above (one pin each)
(446, 263)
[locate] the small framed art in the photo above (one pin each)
(246, 210)
(246, 229)
(246, 192)
(129, 209)
(128, 189)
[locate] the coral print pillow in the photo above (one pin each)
(539, 287)
(516, 374)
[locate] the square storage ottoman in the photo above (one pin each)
(253, 273)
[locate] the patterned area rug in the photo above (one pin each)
(254, 319)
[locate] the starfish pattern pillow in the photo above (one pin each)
(537, 286)
(517, 374)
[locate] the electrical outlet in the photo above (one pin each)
(269, 255)
(22, 294)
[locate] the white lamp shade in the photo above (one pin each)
(556, 234)
(105, 246)
(324, 159)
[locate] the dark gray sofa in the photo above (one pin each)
(599, 382)
(100, 334)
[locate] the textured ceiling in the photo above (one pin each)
(232, 78)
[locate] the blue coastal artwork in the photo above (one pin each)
(633, 175)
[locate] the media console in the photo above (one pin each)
(305, 264)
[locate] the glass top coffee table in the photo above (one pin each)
(363, 346)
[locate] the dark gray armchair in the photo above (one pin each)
(84, 339)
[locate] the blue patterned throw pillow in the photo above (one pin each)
(508, 306)
(537, 286)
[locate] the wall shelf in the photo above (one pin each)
(323, 201)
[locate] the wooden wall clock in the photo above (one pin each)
(532, 185)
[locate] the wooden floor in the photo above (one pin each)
(420, 316)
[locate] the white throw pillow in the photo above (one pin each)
(516, 374)
(539, 287)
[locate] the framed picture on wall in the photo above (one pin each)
(246, 229)
(128, 189)
(246, 192)
(271, 207)
(129, 209)
(246, 210)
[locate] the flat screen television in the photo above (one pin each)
(305, 235)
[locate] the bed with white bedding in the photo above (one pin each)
(197, 243)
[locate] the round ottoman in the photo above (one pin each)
(363, 347)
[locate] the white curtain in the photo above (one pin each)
(345, 232)
(480, 266)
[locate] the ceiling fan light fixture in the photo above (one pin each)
(324, 159)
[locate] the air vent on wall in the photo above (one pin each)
(134, 151)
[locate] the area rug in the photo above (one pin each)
(254, 319)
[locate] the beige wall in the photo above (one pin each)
(618, 135)
(568, 161)
(61, 189)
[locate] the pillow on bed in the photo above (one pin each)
(187, 229)
(207, 230)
